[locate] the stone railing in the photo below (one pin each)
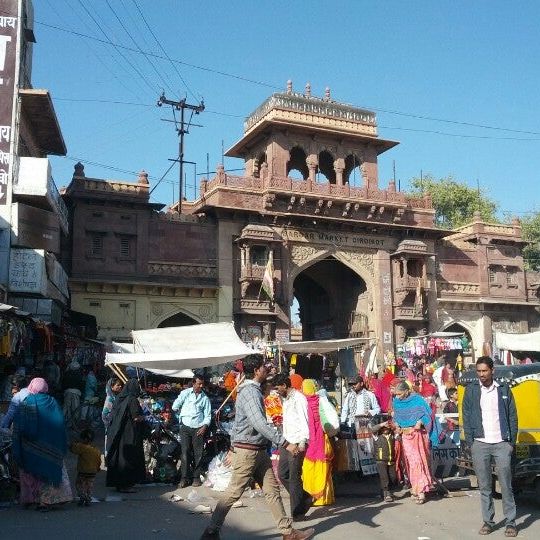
(110, 186)
(254, 305)
(171, 269)
(452, 287)
(252, 272)
(409, 282)
(407, 312)
(317, 188)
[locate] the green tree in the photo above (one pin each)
(455, 202)
(531, 231)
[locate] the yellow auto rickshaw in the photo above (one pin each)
(524, 381)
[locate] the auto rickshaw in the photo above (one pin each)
(524, 381)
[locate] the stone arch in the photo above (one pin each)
(258, 163)
(297, 162)
(306, 256)
(175, 310)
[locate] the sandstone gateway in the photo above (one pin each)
(360, 259)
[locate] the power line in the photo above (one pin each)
(158, 73)
(163, 50)
(117, 48)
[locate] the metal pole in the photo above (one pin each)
(181, 157)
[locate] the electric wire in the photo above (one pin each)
(164, 51)
(158, 73)
(118, 48)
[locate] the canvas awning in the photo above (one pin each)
(322, 346)
(518, 342)
(182, 347)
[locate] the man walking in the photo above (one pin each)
(296, 432)
(250, 460)
(194, 414)
(490, 425)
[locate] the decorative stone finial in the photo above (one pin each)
(143, 177)
(392, 186)
(289, 86)
(308, 90)
(327, 96)
(477, 216)
(516, 221)
(79, 170)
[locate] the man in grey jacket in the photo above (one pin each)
(250, 460)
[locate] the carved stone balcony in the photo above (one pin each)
(252, 273)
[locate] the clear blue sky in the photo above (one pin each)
(467, 62)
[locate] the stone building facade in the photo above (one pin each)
(356, 257)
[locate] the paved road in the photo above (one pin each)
(356, 514)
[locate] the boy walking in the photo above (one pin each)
(88, 465)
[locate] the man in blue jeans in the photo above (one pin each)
(490, 425)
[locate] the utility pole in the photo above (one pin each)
(181, 106)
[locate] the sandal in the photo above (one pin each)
(421, 499)
(510, 531)
(485, 530)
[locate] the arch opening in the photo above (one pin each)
(178, 319)
(331, 301)
(352, 174)
(296, 166)
(326, 167)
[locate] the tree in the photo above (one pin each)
(455, 202)
(531, 231)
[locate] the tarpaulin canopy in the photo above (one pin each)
(518, 342)
(175, 373)
(322, 346)
(182, 347)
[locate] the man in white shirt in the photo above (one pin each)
(296, 432)
(358, 402)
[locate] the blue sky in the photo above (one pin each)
(460, 61)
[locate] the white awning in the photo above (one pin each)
(518, 342)
(322, 346)
(170, 350)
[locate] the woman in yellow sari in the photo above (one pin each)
(317, 467)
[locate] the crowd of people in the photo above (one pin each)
(286, 412)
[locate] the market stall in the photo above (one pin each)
(518, 348)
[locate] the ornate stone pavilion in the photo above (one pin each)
(355, 258)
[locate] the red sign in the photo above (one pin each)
(9, 25)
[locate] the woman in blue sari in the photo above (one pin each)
(39, 447)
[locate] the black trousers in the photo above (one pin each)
(290, 475)
(192, 452)
(387, 475)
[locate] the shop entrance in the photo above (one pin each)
(330, 301)
(178, 319)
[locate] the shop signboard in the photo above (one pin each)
(9, 27)
(27, 271)
(282, 335)
(35, 228)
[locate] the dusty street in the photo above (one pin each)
(356, 514)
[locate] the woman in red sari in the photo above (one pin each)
(317, 467)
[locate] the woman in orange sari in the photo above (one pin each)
(317, 467)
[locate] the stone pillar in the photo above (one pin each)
(339, 167)
(312, 161)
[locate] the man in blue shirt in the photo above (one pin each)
(194, 414)
(20, 392)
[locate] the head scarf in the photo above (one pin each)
(74, 365)
(296, 381)
(38, 386)
(309, 387)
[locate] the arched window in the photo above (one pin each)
(352, 174)
(326, 166)
(259, 160)
(297, 166)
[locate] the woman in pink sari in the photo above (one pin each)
(317, 467)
